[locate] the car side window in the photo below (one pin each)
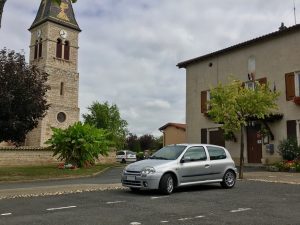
(121, 153)
(195, 154)
(216, 153)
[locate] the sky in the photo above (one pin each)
(129, 48)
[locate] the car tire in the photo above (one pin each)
(166, 185)
(229, 179)
(134, 189)
(123, 161)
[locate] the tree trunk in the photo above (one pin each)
(241, 170)
(2, 2)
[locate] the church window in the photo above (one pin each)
(67, 50)
(36, 49)
(62, 88)
(40, 47)
(59, 48)
(61, 117)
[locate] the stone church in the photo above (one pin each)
(54, 49)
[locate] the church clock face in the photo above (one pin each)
(38, 33)
(63, 34)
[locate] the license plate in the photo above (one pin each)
(131, 178)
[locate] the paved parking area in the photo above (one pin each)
(248, 203)
(110, 179)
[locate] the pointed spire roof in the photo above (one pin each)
(62, 14)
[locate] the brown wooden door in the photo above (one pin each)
(254, 145)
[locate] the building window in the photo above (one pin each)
(67, 50)
(61, 117)
(36, 49)
(292, 85)
(205, 98)
(250, 85)
(213, 136)
(297, 84)
(298, 131)
(59, 48)
(293, 129)
(62, 88)
(40, 47)
(251, 67)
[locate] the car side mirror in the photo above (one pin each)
(185, 159)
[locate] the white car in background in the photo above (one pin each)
(124, 156)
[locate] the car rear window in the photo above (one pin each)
(216, 153)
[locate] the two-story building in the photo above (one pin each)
(274, 59)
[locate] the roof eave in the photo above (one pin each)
(266, 37)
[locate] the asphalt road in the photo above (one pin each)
(248, 203)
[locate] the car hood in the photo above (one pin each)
(156, 163)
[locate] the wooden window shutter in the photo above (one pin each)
(204, 136)
(67, 51)
(262, 81)
(203, 101)
(217, 137)
(40, 48)
(290, 86)
(291, 128)
(59, 48)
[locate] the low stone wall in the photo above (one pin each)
(28, 156)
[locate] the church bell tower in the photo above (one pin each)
(54, 49)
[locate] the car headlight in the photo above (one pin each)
(148, 170)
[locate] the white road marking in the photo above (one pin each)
(135, 223)
(156, 197)
(5, 214)
(115, 202)
(66, 207)
(164, 221)
(183, 219)
(240, 210)
(199, 217)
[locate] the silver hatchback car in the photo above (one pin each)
(181, 165)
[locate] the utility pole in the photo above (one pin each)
(295, 13)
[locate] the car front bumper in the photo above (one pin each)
(151, 181)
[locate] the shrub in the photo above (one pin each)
(289, 149)
(140, 155)
(79, 144)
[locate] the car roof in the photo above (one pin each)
(195, 144)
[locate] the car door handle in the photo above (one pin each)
(207, 166)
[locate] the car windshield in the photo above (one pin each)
(169, 152)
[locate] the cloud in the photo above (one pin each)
(129, 49)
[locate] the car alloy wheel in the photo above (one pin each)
(167, 184)
(228, 179)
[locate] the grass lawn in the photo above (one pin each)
(46, 172)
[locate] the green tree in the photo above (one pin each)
(232, 105)
(147, 142)
(106, 116)
(79, 144)
(22, 96)
(158, 142)
(2, 3)
(133, 143)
